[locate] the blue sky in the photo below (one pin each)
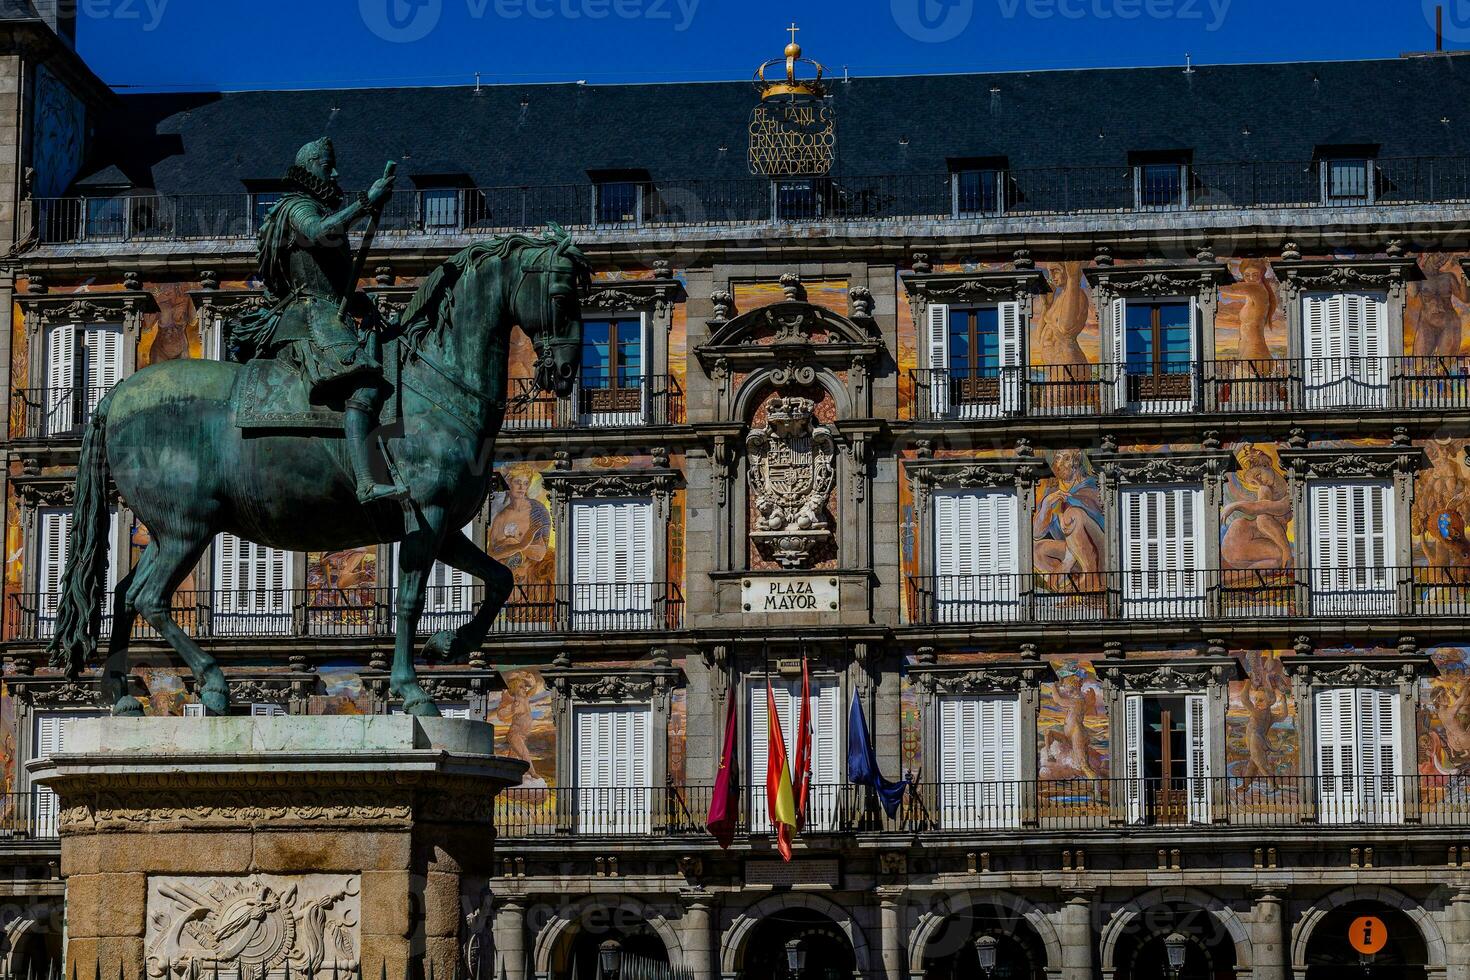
(239, 44)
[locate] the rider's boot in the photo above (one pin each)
(358, 422)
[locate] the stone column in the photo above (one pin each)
(697, 934)
(1074, 932)
(510, 940)
(890, 928)
(361, 836)
(1457, 947)
(1268, 941)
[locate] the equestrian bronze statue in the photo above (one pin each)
(338, 431)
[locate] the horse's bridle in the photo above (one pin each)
(548, 347)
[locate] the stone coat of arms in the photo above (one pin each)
(792, 469)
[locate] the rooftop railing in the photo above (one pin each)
(1006, 807)
(371, 612)
(754, 201)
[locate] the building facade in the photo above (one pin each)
(1101, 436)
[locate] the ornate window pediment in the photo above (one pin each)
(990, 286)
(1338, 275)
(659, 482)
(1380, 462)
(790, 331)
(653, 295)
(46, 491)
(55, 692)
(1379, 670)
(582, 685)
(986, 678)
(1190, 279)
(115, 307)
(977, 473)
(228, 303)
(1163, 467)
(1195, 674)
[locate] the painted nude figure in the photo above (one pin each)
(1069, 752)
(1068, 528)
(1264, 706)
(1255, 521)
(1437, 330)
(1257, 309)
(1065, 319)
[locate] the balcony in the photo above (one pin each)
(1225, 387)
(1022, 807)
(370, 612)
(655, 400)
(757, 202)
(53, 414)
(1219, 594)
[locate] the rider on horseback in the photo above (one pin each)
(306, 265)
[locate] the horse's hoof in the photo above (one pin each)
(128, 707)
(423, 708)
(216, 701)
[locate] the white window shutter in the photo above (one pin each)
(612, 561)
(1120, 352)
(250, 586)
(1163, 551)
(976, 554)
(1333, 711)
(1314, 326)
(195, 709)
(1012, 354)
(264, 709)
(1133, 756)
(1197, 741)
(1378, 740)
(49, 739)
(828, 748)
(60, 376)
(53, 548)
(104, 362)
(937, 343)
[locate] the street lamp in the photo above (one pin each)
(795, 958)
(985, 950)
(610, 959)
(1175, 946)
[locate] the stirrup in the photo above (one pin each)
(369, 493)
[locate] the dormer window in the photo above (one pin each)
(1348, 174)
(618, 196)
(263, 195)
(443, 202)
(977, 186)
(1160, 181)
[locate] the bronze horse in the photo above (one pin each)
(168, 439)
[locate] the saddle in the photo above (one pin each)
(271, 394)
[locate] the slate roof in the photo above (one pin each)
(555, 133)
(18, 10)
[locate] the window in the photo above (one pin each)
(441, 209)
(1352, 548)
(1161, 186)
(1163, 551)
(1344, 340)
(107, 217)
(614, 764)
(618, 202)
(1359, 767)
(978, 192)
(980, 762)
(976, 556)
(1154, 342)
(1167, 762)
(261, 203)
(798, 200)
(49, 738)
(828, 778)
(449, 597)
(83, 363)
(251, 588)
(53, 547)
(612, 391)
(975, 359)
(1347, 181)
(612, 564)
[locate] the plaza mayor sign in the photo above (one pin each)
(772, 594)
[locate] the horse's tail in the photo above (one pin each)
(79, 608)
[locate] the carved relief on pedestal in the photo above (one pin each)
(253, 924)
(792, 469)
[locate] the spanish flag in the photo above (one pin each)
(780, 800)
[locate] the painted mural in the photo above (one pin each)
(1072, 727)
(521, 536)
(1444, 716)
(1434, 321)
(1250, 324)
(1442, 507)
(1256, 526)
(830, 294)
(172, 332)
(60, 135)
(1261, 748)
(1068, 528)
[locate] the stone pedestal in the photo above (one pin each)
(314, 843)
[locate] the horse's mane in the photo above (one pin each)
(432, 304)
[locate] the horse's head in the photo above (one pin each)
(547, 306)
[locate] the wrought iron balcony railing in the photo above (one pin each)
(754, 201)
(28, 816)
(1016, 806)
(1228, 387)
(1220, 593)
(54, 413)
(651, 400)
(369, 611)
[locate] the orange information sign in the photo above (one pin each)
(1368, 934)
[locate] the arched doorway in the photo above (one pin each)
(829, 955)
(1142, 951)
(643, 952)
(1330, 954)
(951, 954)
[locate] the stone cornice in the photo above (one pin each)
(632, 296)
(45, 491)
(1367, 670)
(1382, 462)
(793, 324)
(1335, 275)
(1186, 466)
(990, 286)
(634, 685)
(100, 307)
(612, 483)
(1186, 279)
(977, 473)
(1193, 673)
(981, 678)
